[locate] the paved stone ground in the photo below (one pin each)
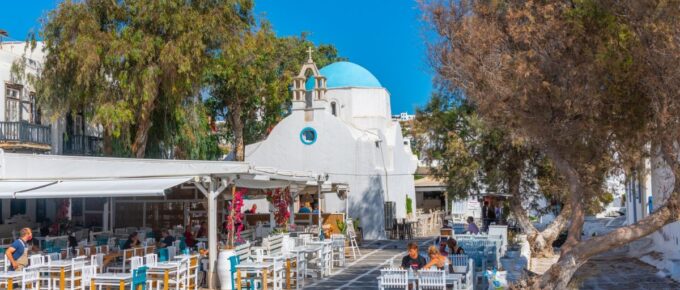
(612, 272)
(362, 273)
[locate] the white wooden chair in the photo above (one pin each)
(151, 260)
(122, 267)
(73, 280)
(36, 260)
(87, 273)
(338, 256)
(393, 278)
(30, 278)
(459, 263)
(300, 271)
(136, 262)
(179, 279)
(97, 260)
(431, 279)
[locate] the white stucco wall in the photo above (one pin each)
(348, 154)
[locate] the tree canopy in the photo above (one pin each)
(578, 81)
(135, 65)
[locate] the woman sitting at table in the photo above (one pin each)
(132, 242)
(436, 259)
(189, 238)
(454, 249)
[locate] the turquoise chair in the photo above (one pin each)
(233, 261)
(102, 241)
(139, 278)
(163, 255)
(121, 244)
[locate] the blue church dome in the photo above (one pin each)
(345, 74)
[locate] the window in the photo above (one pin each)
(334, 109)
(17, 206)
(308, 136)
(18, 106)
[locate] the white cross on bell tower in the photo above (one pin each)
(309, 54)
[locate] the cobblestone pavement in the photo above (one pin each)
(619, 273)
(362, 273)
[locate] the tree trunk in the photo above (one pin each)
(143, 125)
(107, 140)
(237, 126)
(576, 188)
(560, 273)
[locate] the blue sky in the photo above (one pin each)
(384, 36)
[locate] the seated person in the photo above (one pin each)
(413, 260)
(305, 209)
(472, 227)
(316, 208)
(442, 249)
(132, 242)
(446, 225)
(454, 249)
(166, 239)
(436, 259)
(189, 238)
(202, 231)
(252, 209)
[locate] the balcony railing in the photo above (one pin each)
(17, 135)
(82, 145)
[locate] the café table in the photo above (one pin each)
(164, 269)
(290, 258)
(111, 279)
(60, 267)
(451, 279)
(253, 268)
(9, 278)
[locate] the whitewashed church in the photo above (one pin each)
(341, 125)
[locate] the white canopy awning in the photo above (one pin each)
(16, 166)
(8, 188)
(104, 187)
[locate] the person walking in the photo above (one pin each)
(17, 253)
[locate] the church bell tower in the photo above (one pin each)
(309, 100)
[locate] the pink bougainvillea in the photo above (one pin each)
(281, 199)
(235, 218)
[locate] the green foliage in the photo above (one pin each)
(409, 205)
(342, 226)
(135, 67)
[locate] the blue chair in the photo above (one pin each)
(163, 255)
(102, 241)
(139, 278)
(233, 261)
(121, 243)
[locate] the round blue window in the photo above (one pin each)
(308, 136)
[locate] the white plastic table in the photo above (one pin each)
(111, 279)
(10, 277)
(253, 268)
(163, 268)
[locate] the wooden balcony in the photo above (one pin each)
(24, 136)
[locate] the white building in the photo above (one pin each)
(645, 191)
(341, 124)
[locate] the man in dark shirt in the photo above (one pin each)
(413, 260)
(167, 239)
